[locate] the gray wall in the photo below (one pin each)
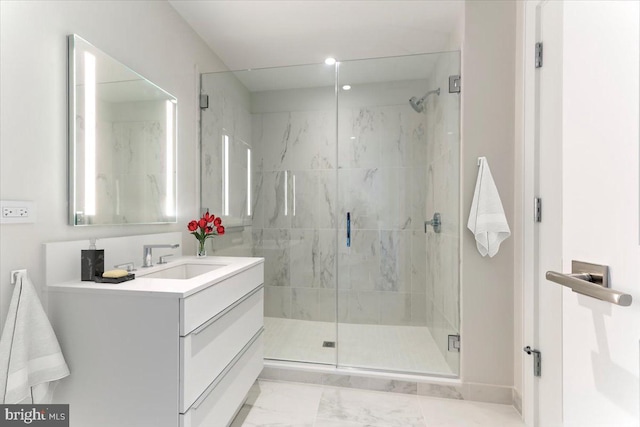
(488, 102)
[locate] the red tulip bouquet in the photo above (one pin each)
(206, 227)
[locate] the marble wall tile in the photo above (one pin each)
(276, 141)
(393, 200)
(313, 140)
(418, 265)
(276, 201)
(327, 305)
(304, 303)
(393, 133)
(313, 198)
(359, 138)
(364, 307)
(418, 309)
(273, 245)
(395, 308)
(313, 258)
(359, 267)
(395, 261)
(359, 194)
(277, 301)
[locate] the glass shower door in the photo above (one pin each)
(286, 117)
(398, 165)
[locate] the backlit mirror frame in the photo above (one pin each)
(122, 142)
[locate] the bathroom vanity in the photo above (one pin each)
(178, 346)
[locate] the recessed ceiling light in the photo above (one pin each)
(330, 61)
(353, 137)
(346, 87)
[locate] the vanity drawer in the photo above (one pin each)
(202, 306)
(221, 401)
(207, 351)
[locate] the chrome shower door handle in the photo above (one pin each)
(436, 223)
(348, 229)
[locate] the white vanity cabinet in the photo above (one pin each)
(161, 352)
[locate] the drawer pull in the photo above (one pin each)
(206, 324)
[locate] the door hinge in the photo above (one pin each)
(537, 360)
(538, 54)
(204, 101)
(454, 343)
(455, 84)
(537, 209)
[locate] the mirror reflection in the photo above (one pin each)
(122, 142)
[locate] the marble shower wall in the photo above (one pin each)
(381, 181)
(382, 174)
(443, 196)
(294, 223)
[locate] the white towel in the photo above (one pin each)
(487, 220)
(30, 356)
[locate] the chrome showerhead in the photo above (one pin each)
(418, 104)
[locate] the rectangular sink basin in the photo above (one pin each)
(183, 271)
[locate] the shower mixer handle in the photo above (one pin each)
(436, 223)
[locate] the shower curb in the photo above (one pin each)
(447, 388)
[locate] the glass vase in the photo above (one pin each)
(202, 250)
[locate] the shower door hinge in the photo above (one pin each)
(537, 360)
(539, 55)
(454, 343)
(537, 209)
(204, 101)
(454, 84)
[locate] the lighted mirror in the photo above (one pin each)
(122, 142)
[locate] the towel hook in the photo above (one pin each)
(17, 274)
(480, 160)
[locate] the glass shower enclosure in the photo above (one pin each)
(345, 178)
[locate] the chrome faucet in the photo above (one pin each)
(147, 259)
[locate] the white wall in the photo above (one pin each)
(601, 217)
(488, 102)
(148, 36)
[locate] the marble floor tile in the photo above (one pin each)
(279, 404)
(370, 408)
(458, 413)
(282, 404)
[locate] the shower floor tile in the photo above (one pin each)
(273, 403)
(394, 348)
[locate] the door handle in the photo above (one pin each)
(348, 229)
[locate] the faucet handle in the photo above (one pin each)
(129, 265)
(163, 260)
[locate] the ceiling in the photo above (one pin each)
(265, 33)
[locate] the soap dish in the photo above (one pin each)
(100, 279)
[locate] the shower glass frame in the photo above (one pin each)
(397, 165)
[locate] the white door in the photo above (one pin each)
(601, 372)
(587, 93)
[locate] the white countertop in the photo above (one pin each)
(174, 288)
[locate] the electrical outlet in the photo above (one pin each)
(17, 211)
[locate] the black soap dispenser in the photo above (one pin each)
(91, 262)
